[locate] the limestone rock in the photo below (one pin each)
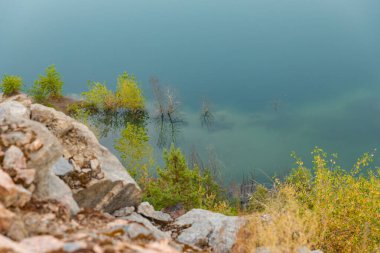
(14, 109)
(62, 167)
(42, 244)
(124, 211)
(75, 247)
(10, 193)
(9, 246)
(209, 229)
(6, 219)
(112, 190)
(148, 211)
(20, 98)
(14, 159)
(60, 191)
(148, 227)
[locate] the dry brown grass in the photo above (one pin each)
(283, 227)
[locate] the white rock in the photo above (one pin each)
(117, 189)
(62, 167)
(148, 211)
(14, 109)
(209, 229)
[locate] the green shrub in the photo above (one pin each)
(10, 85)
(128, 94)
(345, 202)
(47, 87)
(99, 97)
(177, 183)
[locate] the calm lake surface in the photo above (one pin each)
(281, 76)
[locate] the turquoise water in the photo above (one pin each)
(282, 76)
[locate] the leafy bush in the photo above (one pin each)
(136, 152)
(11, 84)
(47, 87)
(128, 94)
(99, 97)
(347, 204)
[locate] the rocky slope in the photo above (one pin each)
(61, 191)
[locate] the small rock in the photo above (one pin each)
(17, 230)
(124, 211)
(74, 246)
(42, 244)
(155, 232)
(11, 194)
(15, 138)
(6, 219)
(35, 145)
(14, 159)
(86, 170)
(62, 167)
(100, 175)
(25, 177)
(148, 211)
(94, 163)
(9, 246)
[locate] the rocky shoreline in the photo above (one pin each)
(61, 191)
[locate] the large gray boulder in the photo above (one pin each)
(99, 180)
(206, 229)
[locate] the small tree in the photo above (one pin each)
(176, 183)
(128, 94)
(10, 85)
(99, 97)
(49, 86)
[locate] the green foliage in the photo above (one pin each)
(47, 87)
(136, 152)
(99, 97)
(11, 84)
(346, 203)
(176, 183)
(128, 94)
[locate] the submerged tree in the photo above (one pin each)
(207, 116)
(167, 115)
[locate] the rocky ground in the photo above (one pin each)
(61, 191)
